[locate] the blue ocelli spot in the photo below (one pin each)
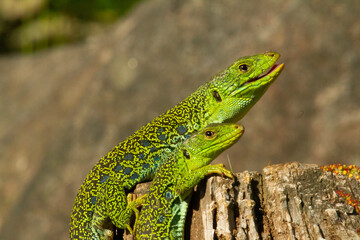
(134, 176)
(141, 156)
(157, 157)
(162, 137)
(118, 168)
(128, 156)
(181, 129)
(168, 195)
(104, 178)
(153, 149)
(93, 200)
(161, 218)
(187, 136)
(160, 130)
(145, 143)
(127, 170)
(145, 165)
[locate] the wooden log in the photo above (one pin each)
(301, 203)
(285, 201)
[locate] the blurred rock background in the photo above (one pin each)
(29, 25)
(65, 103)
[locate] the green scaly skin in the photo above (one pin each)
(164, 211)
(101, 201)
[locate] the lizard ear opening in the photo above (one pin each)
(186, 154)
(217, 96)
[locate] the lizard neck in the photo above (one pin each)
(145, 150)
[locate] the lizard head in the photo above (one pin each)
(205, 145)
(233, 92)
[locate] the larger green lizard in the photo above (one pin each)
(226, 98)
(164, 211)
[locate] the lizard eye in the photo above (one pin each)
(186, 154)
(217, 96)
(244, 68)
(209, 134)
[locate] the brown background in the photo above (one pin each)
(63, 109)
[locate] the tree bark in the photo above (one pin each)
(285, 201)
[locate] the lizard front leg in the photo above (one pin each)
(188, 182)
(133, 206)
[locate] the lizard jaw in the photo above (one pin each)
(275, 68)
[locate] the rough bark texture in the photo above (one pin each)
(301, 203)
(287, 201)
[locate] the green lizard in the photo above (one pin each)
(164, 211)
(101, 201)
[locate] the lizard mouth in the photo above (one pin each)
(276, 68)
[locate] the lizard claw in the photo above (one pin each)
(221, 170)
(228, 174)
(128, 227)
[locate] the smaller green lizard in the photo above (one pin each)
(164, 209)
